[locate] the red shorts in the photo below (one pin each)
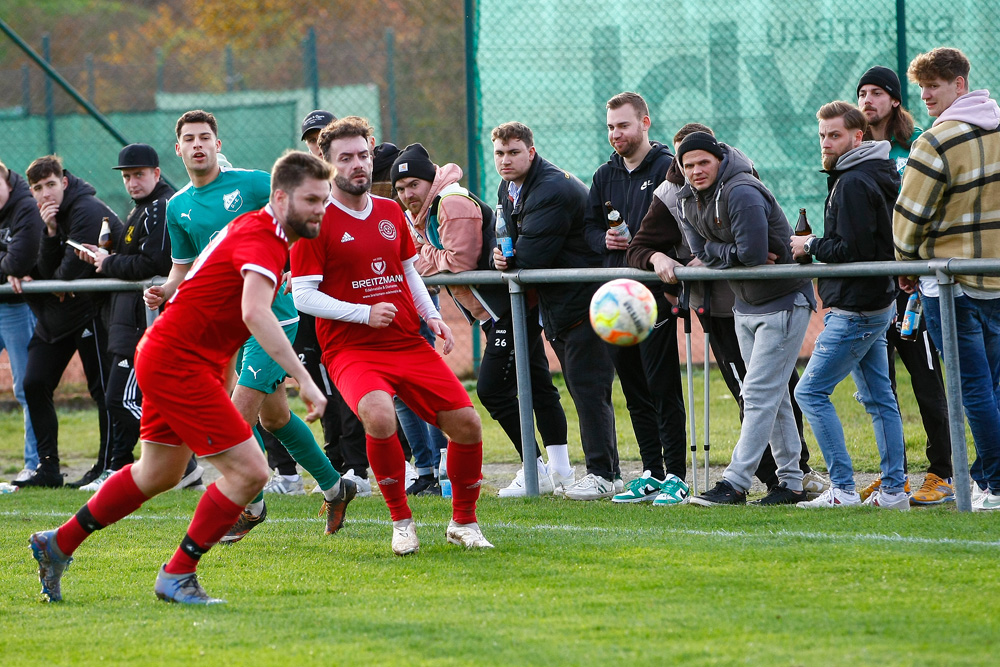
(186, 403)
(418, 375)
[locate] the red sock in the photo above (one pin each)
(465, 470)
(212, 519)
(385, 456)
(117, 498)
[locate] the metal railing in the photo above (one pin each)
(518, 281)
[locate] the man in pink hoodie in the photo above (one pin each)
(949, 206)
(454, 231)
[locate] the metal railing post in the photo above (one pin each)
(529, 448)
(953, 387)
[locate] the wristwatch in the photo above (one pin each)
(807, 247)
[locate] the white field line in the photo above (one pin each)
(894, 538)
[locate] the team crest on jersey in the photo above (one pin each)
(387, 230)
(233, 201)
(378, 266)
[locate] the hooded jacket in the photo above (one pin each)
(629, 192)
(857, 226)
(143, 251)
(448, 233)
(737, 222)
(548, 234)
(21, 230)
(79, 218)
(949, 204)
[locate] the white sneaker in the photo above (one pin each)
(404, 537)
(192, 481)
(619, 484)
(562, 482)
(591, 487)
(24, 475)
(411, 474)
(978, 494)
(987, 502)
(832, 497)
(889, 501)
(96, 484)
(814, 484)
(364, 486)
(290, 485)
(517, 489)
(467, 535)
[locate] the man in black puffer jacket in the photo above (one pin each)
(142, 252)
(67, 323)
(544, 208)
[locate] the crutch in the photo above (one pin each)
(705, 311)
(682, 310)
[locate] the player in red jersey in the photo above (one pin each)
(180, 365)
(358, 279)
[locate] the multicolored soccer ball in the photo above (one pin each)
(623, 312)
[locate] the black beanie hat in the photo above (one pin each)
(413, 162)
(884, 78)
(699, 141)
(383, 156)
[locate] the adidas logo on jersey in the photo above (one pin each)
(87, 333)
(233, 201)
(123, 363)
(346, 237)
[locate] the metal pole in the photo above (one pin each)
(390, 81)
(50, 112)
(88, 61)
(471, 107)
(26, 90)
(160, 66)
(707, 311)
(311, 65)
(953, 389)
(230, 70)
(902, 62)
(529, 448)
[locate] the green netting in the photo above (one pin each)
(755, 71)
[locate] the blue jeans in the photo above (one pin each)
(17, 324)
(853, 344)
(978, 326)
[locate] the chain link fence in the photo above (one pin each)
(756, 71)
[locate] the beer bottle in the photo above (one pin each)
(616, 223)
(104, 240)
(911, 317)
(802, 228)
(504, 240)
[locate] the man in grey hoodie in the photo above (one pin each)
(730, 219)
(862, 183)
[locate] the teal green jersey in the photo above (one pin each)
(196, 215)
(900, 155)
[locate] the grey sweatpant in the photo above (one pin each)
(769, 344)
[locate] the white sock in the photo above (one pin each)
(559, 459)
(334, 491)
(256, 508)
(291, 478)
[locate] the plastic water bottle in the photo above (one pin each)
(911, 318)
(443, 475)
(504, 240)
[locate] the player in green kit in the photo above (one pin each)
(215, 196)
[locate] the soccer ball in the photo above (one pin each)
(623, 312)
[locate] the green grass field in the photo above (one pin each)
(569, 583)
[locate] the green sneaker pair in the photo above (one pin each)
(642, 488)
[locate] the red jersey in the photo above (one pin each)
(358, 258)
(204, 320)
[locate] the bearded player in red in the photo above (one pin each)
(358, 280)
(180, 365)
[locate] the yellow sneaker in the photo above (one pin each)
(870, 489)
(934, 491)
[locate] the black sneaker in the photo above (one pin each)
(87, 478)
(781, 495)
(422, 484)
(42, 478)
(723, 494)
(336, 509)
(243, 525)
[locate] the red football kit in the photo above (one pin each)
(181, 360)
(359, 257)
